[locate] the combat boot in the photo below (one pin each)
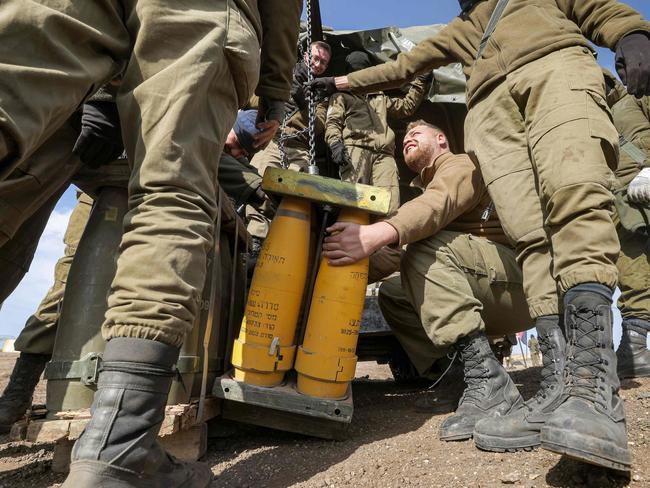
(521, 429)
(590, 424)
(489, 391)
(119, 447)
(17, 397)
(632, 355)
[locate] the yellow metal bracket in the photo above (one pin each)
(259, 358)
(326, 190)
(329, 368)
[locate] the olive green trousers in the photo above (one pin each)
(187, 67)
(451, 285)
(634, 275)
(546, 146)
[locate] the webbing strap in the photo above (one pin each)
(492, 24)
(633, 151)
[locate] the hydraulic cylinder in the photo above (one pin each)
(326, 361)
(265, 349)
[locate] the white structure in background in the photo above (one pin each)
(8, 345)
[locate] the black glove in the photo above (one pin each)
(270, 109)
(100, 140)
(341, 158)
(633, 62)
(322, 86)
(425, 78)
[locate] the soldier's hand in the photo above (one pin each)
(340, 155)
(633, 62)
(269, 118)
(639, 189)
(325, 86)
(100, 140)
(349, 242)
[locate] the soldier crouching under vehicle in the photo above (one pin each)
(459, 279)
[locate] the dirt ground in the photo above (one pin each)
(389, 445)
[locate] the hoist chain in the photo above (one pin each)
(311, 116)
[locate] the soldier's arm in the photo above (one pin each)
(451, 193)
(406, 105)
(645, 106)
(280, 24)
(604, 22)
(429, 54)
(335, 119)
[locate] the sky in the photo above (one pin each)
(339, 14)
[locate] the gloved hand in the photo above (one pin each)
(269, 117)
(100, 140)
(425, 78)
(639, 189)
(633, 62)
(325, 86)
(341, 158)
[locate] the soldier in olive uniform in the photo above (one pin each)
(632, 122)
(539, 126)
(459, 280)
(187, 68)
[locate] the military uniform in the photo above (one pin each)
(533, 346)
(632, 122)
(539, 125)
(181, 137)
(361, 122)
(458, 274)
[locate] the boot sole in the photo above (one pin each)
(463, 436)
(97, 474)
(506, 444)
(603, 453)
(631, 373)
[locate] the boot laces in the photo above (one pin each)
(585, 366)
(476, 376)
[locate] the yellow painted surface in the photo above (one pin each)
(326, 361)
(265, 348)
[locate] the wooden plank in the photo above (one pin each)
(61, 457)
(187, 445)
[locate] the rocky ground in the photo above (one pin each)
(389, 445)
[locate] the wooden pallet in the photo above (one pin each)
(182, 434)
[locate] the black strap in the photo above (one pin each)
(492, 24)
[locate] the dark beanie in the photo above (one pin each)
(357, 60)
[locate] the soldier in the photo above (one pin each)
(357, 131)
(459, 279)
(633, 125)
(539, 126)
(187, 68)
(533, 347)
(295, 137)
(36, 340)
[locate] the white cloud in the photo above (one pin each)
(27, 296)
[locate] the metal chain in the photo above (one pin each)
(311, 103)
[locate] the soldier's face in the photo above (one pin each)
(421, 146)
(320, 60)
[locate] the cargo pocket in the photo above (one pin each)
(601, 126)
(242, 54)
(496, 261)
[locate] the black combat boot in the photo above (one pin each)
(489, 391)
(119, 447)
(521, 429)
(632, 355)
(17, 397)
(590, 424)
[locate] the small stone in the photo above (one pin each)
(636, 477)
(533, 476)
(510, 478)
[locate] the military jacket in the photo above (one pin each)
(276, 23)
(632, 123)
(528, 30)
(454, 198)
(362, 120)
